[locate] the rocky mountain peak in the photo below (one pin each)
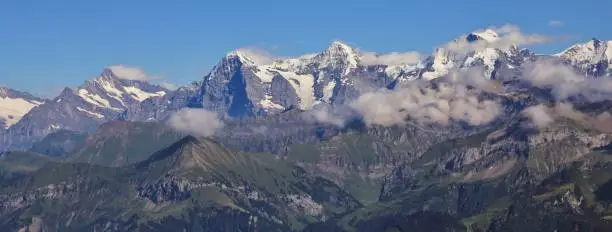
(14, 105)
(338, 56)
(108, 73)
(488, 35)
(241, 56)
(594, 57)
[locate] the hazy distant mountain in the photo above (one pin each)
(14, 105)
(83, 109)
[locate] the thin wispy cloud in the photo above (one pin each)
(566, 83)
(169, 86)
(138, 74)
(256, 55)
(426, 105)
(555, 23)
(130, 73)
(500, 37)
(390, 59)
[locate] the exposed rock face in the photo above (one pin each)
(161, 108)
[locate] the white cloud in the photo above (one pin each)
(390, 59)
(426, 105)
(566, 83)
(498, 37)
(555, 23)
(475, 77)
(129, 73)
(169, 86)
(256, 55)
(327, 115)
(542, 116)
(196, 122)
(539, 115)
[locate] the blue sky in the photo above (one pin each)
(46, 45)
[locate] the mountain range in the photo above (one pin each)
(480, 136)
(244, 84)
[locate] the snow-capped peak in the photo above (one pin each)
(14, 105)
(488, 35)
(126, 73)
(592, 51)
(109, 91)
(250, 57)
(590, 57)
(339, 55)
(242, 56)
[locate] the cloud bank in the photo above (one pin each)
(498, 37)
(426, 105)
(326, 114)
(196, 122)
(566, 83)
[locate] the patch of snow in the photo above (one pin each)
(12, 109)
(268, 104)
(55, 126)
(328, 91)
(140, 95)
(95, 99)
(396, 70)
(111, 91)
(586, 52)
(488, 57)
(264, 73)
(488, 35)
(94, 114)
(442, 64)
(303, 84)
(339, 51)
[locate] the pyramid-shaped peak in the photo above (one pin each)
(248, 56)
(185, 146)
(340, 48)
(339, 56)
